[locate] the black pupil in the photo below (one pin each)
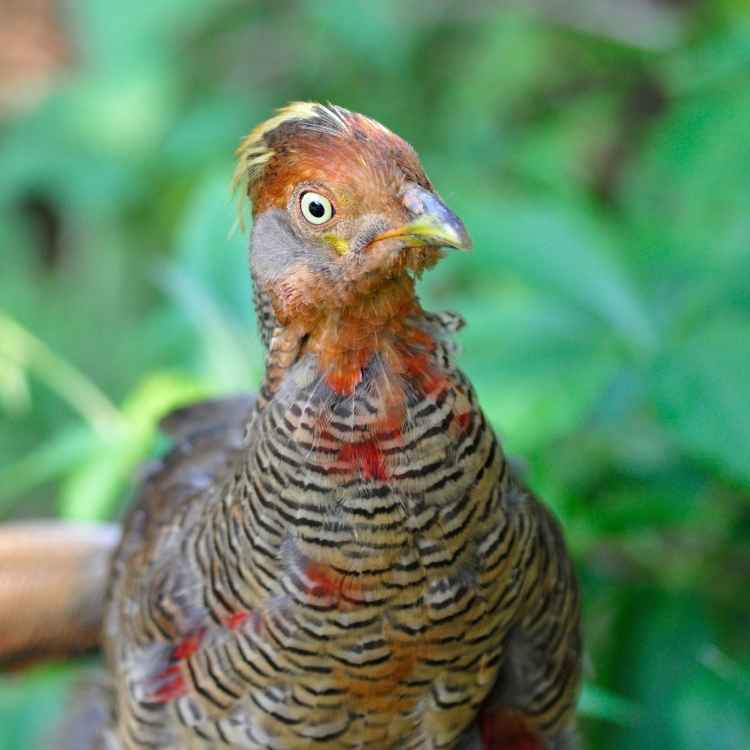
(316, 208)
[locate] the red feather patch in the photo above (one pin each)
(420, 368)
(366, 457)
(505, 729)
(236, 619)
(327, 582)
(463, 421)
(172, 685)
(188, 645)
(170, 682)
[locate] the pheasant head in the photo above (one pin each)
(343, 218)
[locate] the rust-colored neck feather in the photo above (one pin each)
(382, 323)
(387, 327)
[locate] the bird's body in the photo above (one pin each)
(347, 562)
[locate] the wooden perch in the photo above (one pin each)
(53, 579)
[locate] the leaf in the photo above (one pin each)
(632, 508)
(30, 704)
(24, 349)
(701, 387)
(688, 194)
(64, 451)
(91, 492)
(205, 250)
(15, 394)
(538, 367)
(712, 62)
(115, 36)
(659, 638)
(558, 251)
(598, 703)
(232, 357)
(361, 33)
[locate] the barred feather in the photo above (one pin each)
(358, 567)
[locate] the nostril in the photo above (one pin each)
(413, 200)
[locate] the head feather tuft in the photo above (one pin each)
(256, 150)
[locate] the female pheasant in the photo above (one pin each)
(347, 561)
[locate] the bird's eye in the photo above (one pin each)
(316, 208)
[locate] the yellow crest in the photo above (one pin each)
(254, 152)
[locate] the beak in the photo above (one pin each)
(433, 224)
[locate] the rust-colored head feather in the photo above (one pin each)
(343, 217)
(305, 140)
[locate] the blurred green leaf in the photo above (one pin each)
(522, 387)
(712, 62)
(632, 508)
(232, 359)
(61, 454)
(688, 193)
(30, 705)
(207, 252)
(23, 349)
(14, 386)
(561, 253)
(702, 389)
(91, 492)
(731, 672)
(601, 704)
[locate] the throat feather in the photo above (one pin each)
(375, 360)
(384, 324)
(380, 347)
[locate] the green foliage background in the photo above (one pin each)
(601, 163)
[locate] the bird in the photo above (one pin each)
(346, 559)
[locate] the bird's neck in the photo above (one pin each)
(387, 326)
